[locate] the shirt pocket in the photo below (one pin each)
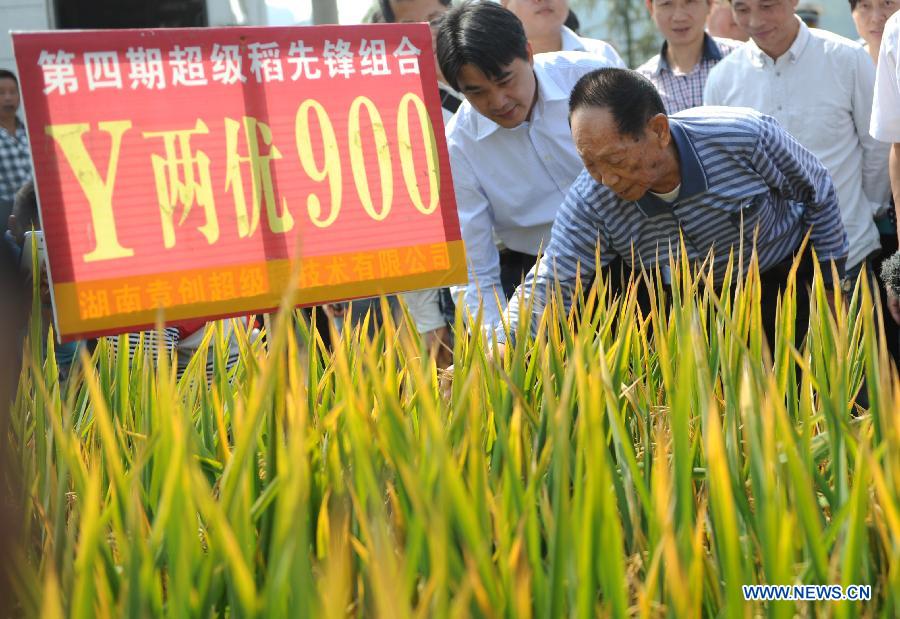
(755, 214)
(824, 125)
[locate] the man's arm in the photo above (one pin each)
(875, 184)
(800, 176)
(476, 224)
(577, 230)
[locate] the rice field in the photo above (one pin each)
(616, 464)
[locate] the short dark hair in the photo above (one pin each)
(25, 207)
(6, 74)
(387, 11)
(483, 34)
(629, 96)
(853, 4)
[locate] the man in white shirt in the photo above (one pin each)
(511, 151)
(544, 24)
(886, 114)
(818, 85)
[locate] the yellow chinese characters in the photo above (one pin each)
(182, 177)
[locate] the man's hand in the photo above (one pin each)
(446, 376)
(437, 343)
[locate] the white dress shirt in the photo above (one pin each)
(886, 109)
(510, 182)
(572, 42)
(820, 90)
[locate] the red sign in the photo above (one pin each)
(198, 171)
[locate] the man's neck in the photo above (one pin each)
(671, 172)
(777, 52)
(684, 58)
(9, 123)
(534, 98)
(549, 43)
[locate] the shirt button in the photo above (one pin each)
(777, 73)
(779, 108)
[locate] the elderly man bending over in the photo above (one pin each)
(713, 175)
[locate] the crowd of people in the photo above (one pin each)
(749, 129)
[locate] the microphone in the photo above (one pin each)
(890, 274)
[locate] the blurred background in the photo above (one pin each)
(624, 23)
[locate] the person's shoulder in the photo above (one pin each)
(598, 46)
(726, 46)
(462, 126)
(650, 67)
(721, 124)
(834, 43)
(565, 68)
(553, 62)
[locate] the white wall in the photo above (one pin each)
(20, 15)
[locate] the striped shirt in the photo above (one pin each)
(680, 91)
(740, 171)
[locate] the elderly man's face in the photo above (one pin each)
(628, 165)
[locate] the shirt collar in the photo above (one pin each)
(693, 176)
(760, 58)
(20, 126)
(710, 51)
(548, 90)
(571, 42)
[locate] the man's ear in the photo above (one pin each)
(530, 51)
(658, 126)
(11, 224)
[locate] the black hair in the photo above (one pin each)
(572, 22)
(629, 96)
(387, 11)
(6, 74)
(25, 207)
(483, 34)
(853, 4)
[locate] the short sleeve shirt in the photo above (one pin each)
(885, 124)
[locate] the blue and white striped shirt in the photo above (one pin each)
(739, 171)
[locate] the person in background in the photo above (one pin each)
(819, 86)
(15, 158)
(688, 53)
(870, 17)
(544, 23)
(510, 147)
(886, 116)
(720, 22)
(24, 218)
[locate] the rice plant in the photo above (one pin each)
(616, 463)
